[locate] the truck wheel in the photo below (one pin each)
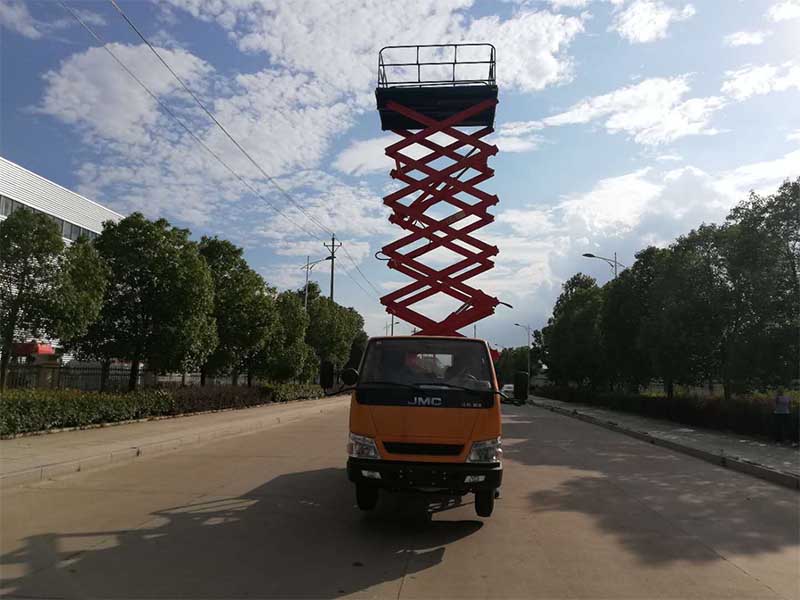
(366, 497)
(484, 503)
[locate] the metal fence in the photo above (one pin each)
(89, 378)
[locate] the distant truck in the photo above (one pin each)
(425, 416)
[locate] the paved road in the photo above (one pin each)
(585, 513)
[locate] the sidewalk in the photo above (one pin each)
(779, 464)
(35, 458)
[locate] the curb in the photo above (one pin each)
(782, 478)
(119, 456)
(25, 434)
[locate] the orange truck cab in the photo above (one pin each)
(425, 416)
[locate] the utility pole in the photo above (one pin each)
(308, 269)
(308, 266)
(527, 328)
(332, 248)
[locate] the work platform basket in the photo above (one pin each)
(437, 81)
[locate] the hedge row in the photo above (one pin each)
(751, 415)
(27, 410)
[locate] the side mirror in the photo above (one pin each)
(326, 375)
(521, 385)
(349, 377)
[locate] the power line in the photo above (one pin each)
(186, 128)
(169, 112)
(233, 140)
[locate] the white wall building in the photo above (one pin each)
(73, 213)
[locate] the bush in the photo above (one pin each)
(284, 392)
(28, 410)
(749, 415)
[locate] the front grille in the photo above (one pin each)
(427, 449)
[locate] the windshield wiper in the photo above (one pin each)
(397, 383)
(455, 387)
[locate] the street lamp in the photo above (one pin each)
(614, 263)
(528, 329)
(308, 266)
(387, 326)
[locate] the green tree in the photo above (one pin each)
(625, 307)
(510, 361)
(159, 303)
(244, 311)
(45, 289)
(332, 329)
(357, 350)
(763, 256)
(286, 355)
(572, 336)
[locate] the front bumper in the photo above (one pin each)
(425, 476)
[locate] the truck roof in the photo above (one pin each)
(427, 337)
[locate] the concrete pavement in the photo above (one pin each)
(773, 462)
(34, 458)
(585, 513)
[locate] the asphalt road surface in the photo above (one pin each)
(584, 513)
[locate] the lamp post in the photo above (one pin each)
(308, 266)
(613, 262)
(528, 329)
(388, 326)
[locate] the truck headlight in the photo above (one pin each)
(487, 451)
(361, 446)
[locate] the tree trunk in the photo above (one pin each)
(4, 360)
(105, 368)
(183, 379)
(8, 343)
(235, 377)
(203, 372)
(669, 388)
(133, 380)
(726, 387)
(249, 378)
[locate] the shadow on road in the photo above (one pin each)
(656, 502)
(298, 535)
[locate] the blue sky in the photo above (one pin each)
(621, 123)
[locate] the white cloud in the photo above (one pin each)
(569, 3)
(746, 38)
(339, 45)
(758, 80)
(652, 112)
(531, 46)
(669, 158)
(90, 90)
(366, 156)
(347, 210)
(519, 136)
(794, 136)
(15, 16)
(542, 244)
(784, 10)
(762, 177)
(648, 20)
(615, 205)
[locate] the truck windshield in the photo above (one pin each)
(409, 361)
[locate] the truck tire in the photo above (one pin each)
(366, 497)
(484, 503)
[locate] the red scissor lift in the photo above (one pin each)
(442, 98)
